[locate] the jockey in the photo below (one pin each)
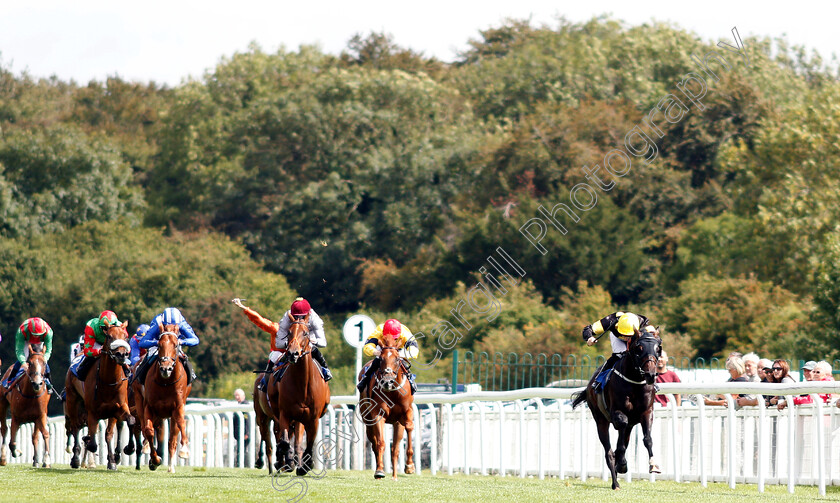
(621, 327)
(186, 337)
(280, 330)
(405, 342)
(134, 344)
(95, 330)
(31, 331)
(76, 348)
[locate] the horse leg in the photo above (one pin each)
(285, 459)
(12, 438)
(647, 419)
(35, 461)
(149, 435)
(121, 424)
(181, 421)
(622, 424)
(136, 433)
(399, 429)
(41, 425)
(304, 456)
(109, 437)
(74, 435)
(4, 429)
(263, 424)
(409, 442)
(379, 447)
(604, 437)
(173, 442)
(129, 448)
(93, 428)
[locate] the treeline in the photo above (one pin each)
(380, 180)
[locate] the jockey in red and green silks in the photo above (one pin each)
(95, 335)
(31, 331)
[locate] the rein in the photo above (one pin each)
(305, 334)
(166, 359)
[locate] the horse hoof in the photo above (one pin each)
(146, 449)
(45, 465)
(654, 469)
(409, 469)
(68, 449)
(171, 469)
(117, 458)
(287, 468)
(258, 464)
(35, 464)
(379, 474)
(128, 450)
(112, 466)
(301, 471)
(622, 468)
(152, 465)
(184, 453)
(74, 463)
(3, 462)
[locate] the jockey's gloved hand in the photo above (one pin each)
(377, 351)
(238, 302)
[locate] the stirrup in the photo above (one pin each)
(326, 373)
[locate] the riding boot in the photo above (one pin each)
(318, 357)
(12, 374)
(47, 380)
(188, 367)
(374, 366)
(144, 367)
(263, 382)
(84, 366)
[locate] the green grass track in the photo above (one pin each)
(196, 484)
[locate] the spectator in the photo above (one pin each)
(751, 367)
(765, 370)
(807, 369)
(239, 396)
(781, 374)
(822, 372)
(735, 366)
(665, 375)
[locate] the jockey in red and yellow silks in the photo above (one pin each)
(404, 340)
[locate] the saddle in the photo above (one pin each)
(13, 379)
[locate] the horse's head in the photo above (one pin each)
(298, 343)
(390, 366)
(645, 348)
(168, 345)
(36, 366)
(116, 342)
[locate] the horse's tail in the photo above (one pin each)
(578, 397)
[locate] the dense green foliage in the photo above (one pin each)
(381, 180)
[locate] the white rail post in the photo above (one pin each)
(501, 438)
(521, 438)
(701, 414)
(730, 434)
(541, 414)
(818, 447)
(481, 430)
(791, 441)
(675, 460)
(762, 433)
(433, 449)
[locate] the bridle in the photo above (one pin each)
(387, 377)
(28, 375)
(166, 359)
(296, 356)
(639, 361)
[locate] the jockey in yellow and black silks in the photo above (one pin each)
(621, 327)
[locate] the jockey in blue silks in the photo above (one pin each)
(134, 344)
(186, 336)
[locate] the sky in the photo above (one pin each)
(170, 41)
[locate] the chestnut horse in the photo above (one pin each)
(27, 399)
(263, 417)
(298, 400)
(388, 399)
(626, 400)
(102, 395)
(164, 396)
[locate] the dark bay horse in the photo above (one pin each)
(164, 396)
(298, 400)
(27, 399)
(388, 399)
(626, 400)
(102, 395)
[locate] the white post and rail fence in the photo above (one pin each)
(534, 432)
